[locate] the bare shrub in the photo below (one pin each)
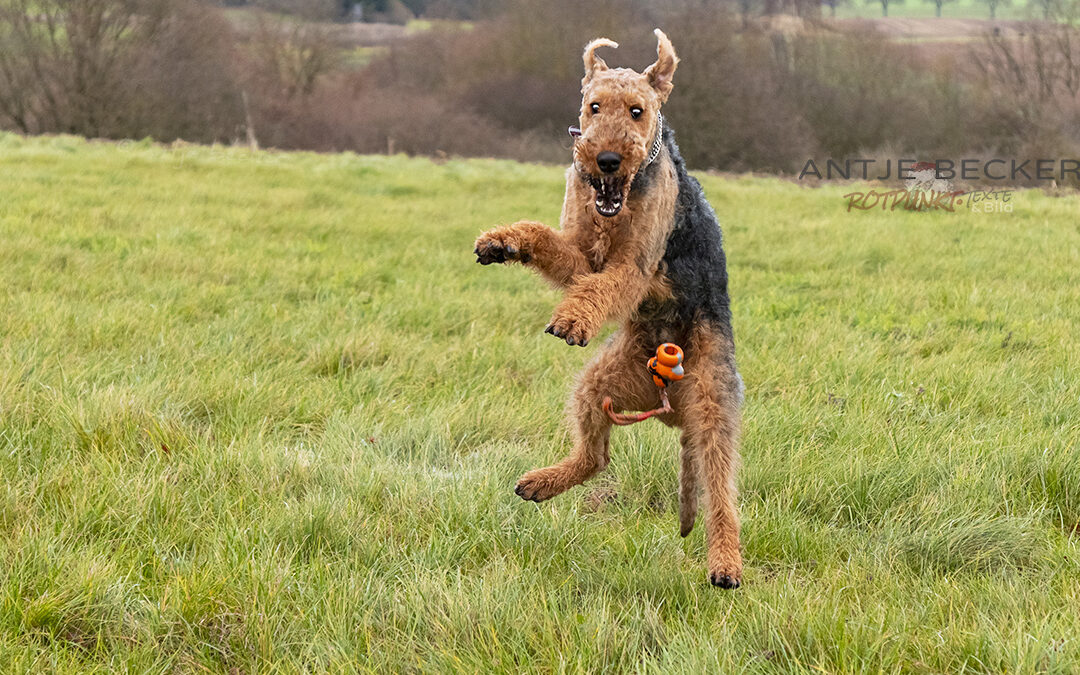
(114, 68)
(858, 92)
(1034, 78)
(1030, 93)
(731, 111)
(392, 120)
(292, 55)
(524, 68)
(184, 84)
(762, 97)
(62, 63)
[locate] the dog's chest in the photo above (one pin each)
(597, 252)
(602, 239)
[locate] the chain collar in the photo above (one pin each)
(658, 141)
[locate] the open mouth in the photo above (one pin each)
(609, 194)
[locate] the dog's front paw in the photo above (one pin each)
(501, 245)
(574, 331)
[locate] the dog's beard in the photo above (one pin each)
(610, 194)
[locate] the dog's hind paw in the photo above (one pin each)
(540, 484)
(721, 580)
(726, 572)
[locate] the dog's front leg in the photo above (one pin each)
(534, 244)
(596, 298)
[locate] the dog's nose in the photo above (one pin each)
(608, 161)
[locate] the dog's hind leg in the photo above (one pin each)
(688, 487)
(619, 372)
(708, 407)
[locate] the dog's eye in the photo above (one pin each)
(595, 107)
(635, 112)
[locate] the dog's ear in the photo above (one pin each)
(661, 72)
(594, 63)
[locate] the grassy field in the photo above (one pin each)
(263, 413)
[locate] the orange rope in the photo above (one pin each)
(623, 419)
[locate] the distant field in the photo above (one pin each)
(910, 20)
(931, 30)
(263, 413)
(950, 10)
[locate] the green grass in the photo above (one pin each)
(264, 413)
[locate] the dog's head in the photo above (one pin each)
(619, 121)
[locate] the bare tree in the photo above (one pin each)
(993, 5)
(1046, 7)
(1034, 78)
(833, 4)
(807, 9)
(52, 62)
(295, 53)
(746, 8)
(117, 69)
(937, 6)
(885, 5)
(63, 62)
(311, 10)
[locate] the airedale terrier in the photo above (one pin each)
(639, 244)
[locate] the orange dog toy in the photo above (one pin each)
(665, 367)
